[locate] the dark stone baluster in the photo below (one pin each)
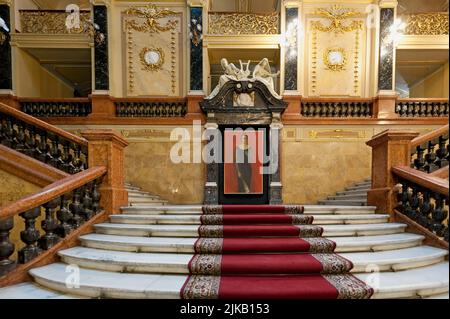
(439, 215)
(87, 202)
(50, 225)
(20, 137)
(425, 209)
(96, 196)
(64, 216)
(419, 162)
(8, 133)
(442, 152)
(414, 203)
(42, 148)
(55, 153)
(30, 142)
(430, 158)
(30, 236)
(76, 209)
(66, 159)
(6, 246)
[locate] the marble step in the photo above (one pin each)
(414, 283)
(186, 245)
(358, 188)
(31, 290)
(362, 184)
(192, 230)
(443, 296)
(195, 219)
(145, 200)
(396, 260)
(356, 193)
(344, 202)
(197, 210)
(133, 188)
(140, 194)
(349, 197)
(169, 263)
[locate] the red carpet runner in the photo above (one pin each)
(267, 252)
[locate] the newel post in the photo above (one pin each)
(106, 148)
(389, 148)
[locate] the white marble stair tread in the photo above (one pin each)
(129, 262)
(192, 230)
(412, 283)
(139, 244)
(376, 243)
(443, 296)
(356, 193)
(197, 210)
(195, 219)
(186, 245)
(139, 194)
(170, 263)
(395, 260)
(421, 282)
(30, 290)
(105, 284)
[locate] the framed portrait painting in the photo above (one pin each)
(243, 167)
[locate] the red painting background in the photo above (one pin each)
(256, 141)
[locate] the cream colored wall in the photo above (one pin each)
(32, 80)
(12, 189)
(318, 161)
(433, 86)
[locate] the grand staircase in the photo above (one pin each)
(355, 195)
(145, 253)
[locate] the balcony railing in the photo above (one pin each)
(233, 23)
(53, 22)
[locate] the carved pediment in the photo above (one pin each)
(249, 96)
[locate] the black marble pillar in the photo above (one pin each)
(386, 63)
(5, 52)
(196, 49)
(101, 49)
(291, 57)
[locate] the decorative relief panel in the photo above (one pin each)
(153, 51)
(336, 52)
(243, 23)
(426, 24)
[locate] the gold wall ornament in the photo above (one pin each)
(152, 58)
(335, 59)
(426, 24)
(151, 14)
(52, 22)
(2, 38)
(243, 23)
(337, 15)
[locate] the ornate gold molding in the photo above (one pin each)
(48, 22)
(151, 14)
(427, 24)
(243, 23)
(152, 66)
(337, 134)
(337, 15)
(335, 66)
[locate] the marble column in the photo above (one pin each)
(196, 49)
(387, 50)
(212, 169)
(101, 54)
(291, 51)
(276, 187)
(5, 50)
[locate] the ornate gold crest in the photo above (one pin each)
(152, 14)
(337, 15)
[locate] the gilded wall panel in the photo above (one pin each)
(336, 54)
(153, 51)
